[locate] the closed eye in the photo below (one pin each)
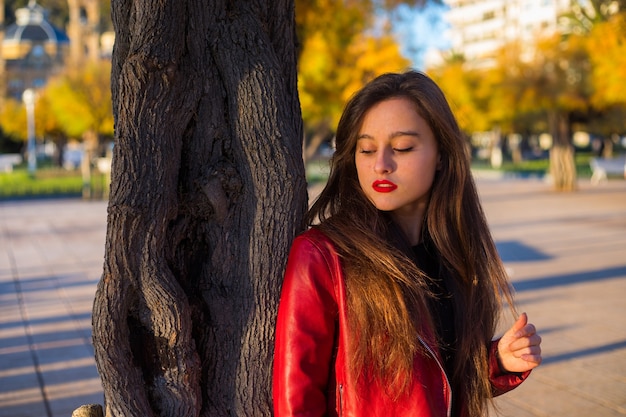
(409, 149)
(366, 151)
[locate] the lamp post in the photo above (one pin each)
(29, 101)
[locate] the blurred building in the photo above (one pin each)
(32, 50)
(479, 28)
(84, 31)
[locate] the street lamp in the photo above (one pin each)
(29, 101)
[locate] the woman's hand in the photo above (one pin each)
(519, 349)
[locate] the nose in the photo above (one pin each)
(384, 163)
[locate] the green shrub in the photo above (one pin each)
(45, 182)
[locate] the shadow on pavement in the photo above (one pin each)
(584, 352)
(618, 272)
(514, 251)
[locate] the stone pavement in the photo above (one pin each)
(566, 254)
(51, 257)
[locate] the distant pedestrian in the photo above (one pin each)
(391, 298)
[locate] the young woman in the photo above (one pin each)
(391, 299)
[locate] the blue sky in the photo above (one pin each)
(419, 29)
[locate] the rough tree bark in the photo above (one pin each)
(207, 192)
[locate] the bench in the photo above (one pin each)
(8, 160)
(603, 167)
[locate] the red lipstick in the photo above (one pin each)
(384, 186)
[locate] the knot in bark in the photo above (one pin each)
(221, 186)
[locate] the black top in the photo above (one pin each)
(441, 305)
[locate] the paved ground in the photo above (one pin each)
(51, 256)
(566, 254)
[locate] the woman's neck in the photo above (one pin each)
(410, 224)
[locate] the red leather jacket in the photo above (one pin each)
(310, 361)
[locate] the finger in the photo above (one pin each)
(532, 358)
(525, 342)
(522, 320)
(526, 331)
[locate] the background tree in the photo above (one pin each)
(47, 127)
(76, 104)
(328, 75)
(13, 119)
(582, 17)
(80, 99)
(326, 29)
(344, 44)
(487, 100)
(607, 52)
(570, 80)
(552, 83)
(601, 22)
(606, 45)
(461, 88)
(81, 102)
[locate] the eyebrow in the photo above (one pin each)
(393, 135)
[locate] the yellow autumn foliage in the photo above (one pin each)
(13, 118)
(372, 57)
(338, 56)
(607, 54)
(81, 100)
(328, 75)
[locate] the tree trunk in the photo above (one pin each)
(90, 145)
(562, 162)
(316, 139)
(207, 192)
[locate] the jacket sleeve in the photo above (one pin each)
(502, 381)
(305, 333)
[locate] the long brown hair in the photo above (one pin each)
(387, 294)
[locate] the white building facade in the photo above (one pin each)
(479, 28)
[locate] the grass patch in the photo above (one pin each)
(537, 167)
(46, 182)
